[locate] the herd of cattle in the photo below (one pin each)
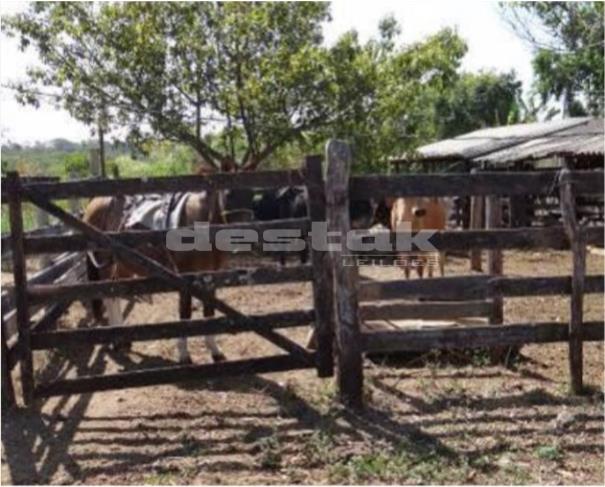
(420, 213)
(110, 214)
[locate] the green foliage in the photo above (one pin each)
(77, 165)
(390, 92)
(477, 101)
(567, 38)
(549, 452)
(407, 464)
(256, 68)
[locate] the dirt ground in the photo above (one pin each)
(429, 423)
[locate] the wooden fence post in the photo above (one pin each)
(476, 223)
(20, 283)
(322, 271)
(494, 257)
(577, 241)
(350, 365)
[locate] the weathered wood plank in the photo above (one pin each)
(108, 187)
(425, 310)
(545, 286)
(578, 248)
(147, 285)
(464, 184)
(20, 283)
(463, 288)
(348, 335)
(76, 242)
(156, 269)
(172, 329)
(323, 297)
(172, 374)
(494, 256)
(477, 219)
(438, 288)
(49, 274)
(418, 340)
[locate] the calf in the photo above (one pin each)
(421, 214)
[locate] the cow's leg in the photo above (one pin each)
(184, 314)
(442, 263)
(431, 263)
(215, 351)
(420, 263)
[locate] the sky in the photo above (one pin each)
(491, 46)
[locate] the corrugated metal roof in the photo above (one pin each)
(571, 136)
(585, 139)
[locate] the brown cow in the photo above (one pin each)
(421, 213)
(107, 214)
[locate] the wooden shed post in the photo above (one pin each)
(348, 336)
(20, 283)
(323, 278)
(476, 223)
(494, 257)
(577, 241)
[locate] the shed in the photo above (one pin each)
(577, 141)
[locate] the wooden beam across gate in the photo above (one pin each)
(156, 269)
(172, 374)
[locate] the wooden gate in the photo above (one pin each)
(161, 279)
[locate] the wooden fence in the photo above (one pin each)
(200, 285)
(340, 299)
(355, 299)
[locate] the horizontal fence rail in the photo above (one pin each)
(74, 242)
(174, 329)
(48, 230)
(172, 374)
(473, 287)
(146, 285)
(477, 184)
(112, 187)
(417, 340)
(426, 311)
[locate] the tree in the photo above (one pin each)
(568, 43)
(475, 101)
(391, 91)
(173, 69)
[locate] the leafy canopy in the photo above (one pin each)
(169, 69)
(567, 39)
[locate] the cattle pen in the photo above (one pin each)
(340, 298)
